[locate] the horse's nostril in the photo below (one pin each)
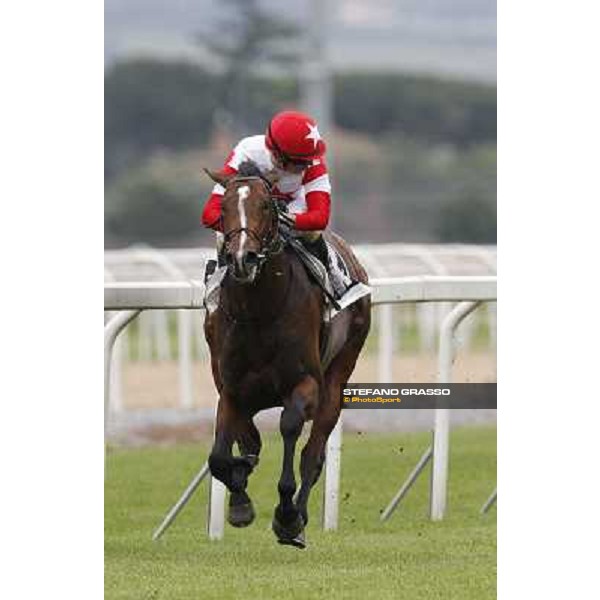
(251, 258)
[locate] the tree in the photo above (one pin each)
(251, 41)
(433, 110)
(155, 105)
(158, 202)
(469, 220)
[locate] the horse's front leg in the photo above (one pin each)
(288, 525)
(230, 426)
(241, 511)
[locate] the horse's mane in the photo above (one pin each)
(249, 169)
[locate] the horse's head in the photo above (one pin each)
(249, 220)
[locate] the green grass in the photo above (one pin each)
(409, 557)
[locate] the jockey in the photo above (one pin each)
(295, 150)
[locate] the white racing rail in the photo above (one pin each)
(143, 263)
(128, 299)
(389, 290)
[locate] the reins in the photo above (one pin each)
(270, 243)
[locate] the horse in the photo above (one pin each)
(270, 347)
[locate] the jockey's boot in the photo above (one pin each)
(317, 248)
(345, 289)
(209, 270)
(213, 276)
(212, 264)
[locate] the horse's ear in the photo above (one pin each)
(272, 177)
(218, 177)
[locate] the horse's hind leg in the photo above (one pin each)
(287, 522)
(241, 511)
(313, 453)
(327, 415)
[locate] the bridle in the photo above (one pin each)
(269, 243)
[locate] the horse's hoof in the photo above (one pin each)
(241, 512)
(241, 515)
(298, 542)
(290, 534)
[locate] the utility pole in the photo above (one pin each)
(317, 90)
(317, 83)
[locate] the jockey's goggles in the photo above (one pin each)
(295, 162)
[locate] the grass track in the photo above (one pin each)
(409, 557)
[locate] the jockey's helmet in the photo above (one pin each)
(294, 136)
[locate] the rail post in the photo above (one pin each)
(385, 330)
(217, 493)
(111, 330)
(331, 491)
(441, 431)
(489, 502)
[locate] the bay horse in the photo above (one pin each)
(267, 339)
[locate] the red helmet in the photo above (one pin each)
(294, 135)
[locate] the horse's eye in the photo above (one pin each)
(265, 206)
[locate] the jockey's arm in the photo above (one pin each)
(317, 190)
(211, 214)
(316, 216)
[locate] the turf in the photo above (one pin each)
(408, 557)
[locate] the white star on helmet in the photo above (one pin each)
(313, 134)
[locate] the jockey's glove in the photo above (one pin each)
(287, 220)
